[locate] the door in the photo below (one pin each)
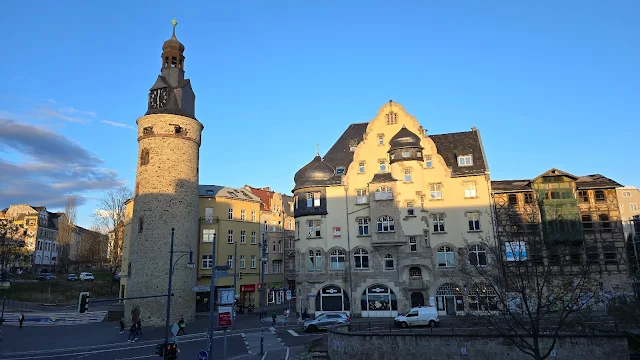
(417, 299)
(451, 305)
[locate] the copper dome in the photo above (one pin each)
(314, 173)
(404, 139)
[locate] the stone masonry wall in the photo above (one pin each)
(166, 196)
(361, 346)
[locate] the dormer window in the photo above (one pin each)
(406, 154)
(465, 160)
(353, 144)
(209, 192)
(340, 170)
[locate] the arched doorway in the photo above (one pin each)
(332, 298)
(379, 301)
(417, 299)
(449, 299)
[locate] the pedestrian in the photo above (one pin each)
(21, 320)
(138, 328)
(121, 325)
(273, 318)
(180, 326)
(132, 332)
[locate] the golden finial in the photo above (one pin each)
(174, 22)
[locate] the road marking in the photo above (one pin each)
(265, 355)
(292, 332)
(272, 328)
(137, 357)
(287, 357)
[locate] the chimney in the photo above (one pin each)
(268, 188)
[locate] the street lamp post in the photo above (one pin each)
(263, 261)
(169, 289)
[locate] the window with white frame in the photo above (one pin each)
(626, 193)
(465, 160)
(253, 237)
(253, 215)
(207, 262)
(314, 262)
(392, 118)
(415, 272)
(380, 139)
(407, 175)
(290, 244)
(290, 224)
(337, 258)
(230, 215)
(243, 215)
(340, 170)
(243, 237)
(361, 196)
(361, 259)
(386, 224)
(277, 265)
(477, 255)
(230, 237)
(384, 193)
(361, 167)
(633, 207)
(314, 228)
(273, 226)
(383, 165)
(266, 226)
(318, 260)
(470, 189)
(242, 262)
(363, 226)
(413, 243)
(208, 215)
(309, 200)
(425, 235)
(438, 222)
(446, 257)
(388, 262)
(436, 191)
(410, 209)
(208, 235)
(253, 261)
(316, 199)
(230, 261)
(474, 220)
(428, 162)
(279, 246)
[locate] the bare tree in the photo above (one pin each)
(536, 281)
(91, 247)
(12, 243)
(66, 229)
(110, 217)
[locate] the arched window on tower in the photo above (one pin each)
(144, 157)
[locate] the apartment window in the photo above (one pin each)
(243, 215)
(361, 259)
(242, 262)
(276, 266)
(230, 261)
(380, 139)
(477, 255)
(315, 260)
(208, 215)
(243, 237)
(363, 226)
(383, 165)
(309, 200)
(361, 167)
(438, 222)
(593, 257)
(314, 228)
(626, 193)
(610, 254)
(413, 243)
(266, 226)
(599, 195)
(253, 261)
(290, 244)
(587, 222)
(415, 272)
(436, 191)
(633, 207)
(388, 262)
(428, 162)
(513, 199)
(230, 215)
(583, 196)
(407, 175)
(528, 198)
(425, 234)
(386, 224)
(446, 257)
(340, 170)
(290, 224)
(470, 189)
(410, 209)
(253, 215)
(361, 196)
(253, 237)
(280, 246)
(208, 235)
(474, 221)
(316, 199)
(605, 223)
(384, 193)
(207, 262)
(465, 160)
(230, 237)
(273, 226)
(337, 258)
(274, 246)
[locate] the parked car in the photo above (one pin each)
(116, 277)
(326, 320)
(86, 276)
(46, 276)
(72, 277)
(424, 315)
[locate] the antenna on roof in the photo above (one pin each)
(317, 149)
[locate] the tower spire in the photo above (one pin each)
(317, 149)
(174, 22)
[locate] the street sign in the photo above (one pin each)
(226, 296)
(201, 288)
(174, 329)
(224, 316)
(202, 355)
(288, 294)
(222, 274)
(222, 268)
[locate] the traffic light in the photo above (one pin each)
(171, 352)
(160, 349)
(83, 303)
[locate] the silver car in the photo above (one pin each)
(326, 320)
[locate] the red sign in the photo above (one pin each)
(224, 316)
(247, 288)
(259, 286)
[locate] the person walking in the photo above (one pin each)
(273, 318)
(121, 325)
(21, 320)
(132, 332)
(180, 326)
(138, 328)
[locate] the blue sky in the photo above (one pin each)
(548, 83)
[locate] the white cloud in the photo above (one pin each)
(117, 124)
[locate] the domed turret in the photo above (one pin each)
(405, 145)
(315, 172)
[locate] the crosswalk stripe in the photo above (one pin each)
(54, 319)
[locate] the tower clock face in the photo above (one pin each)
(158, 98)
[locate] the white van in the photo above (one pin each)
(424, 315)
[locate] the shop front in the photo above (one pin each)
(247, 293)
(379, 301)
(332, 298)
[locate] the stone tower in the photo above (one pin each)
(166, 195)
